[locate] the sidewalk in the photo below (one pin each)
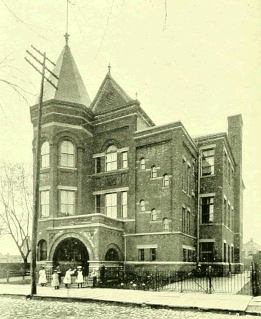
(175, 300)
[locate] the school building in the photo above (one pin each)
(117, 189)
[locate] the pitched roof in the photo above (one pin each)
(70, 84)
(109, 96)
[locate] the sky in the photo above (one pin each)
(196, 61)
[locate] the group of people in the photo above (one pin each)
(57, 277)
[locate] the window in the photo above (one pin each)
(232, 219)
(45, 155)
(111, 158)
(208, 162)
(184, 174)
(229, 172)
(141, 254)
(228, 216)
(97, 165)
(228, 254)
(153, 214)
(98, 204)
(142, 206)
(42, 250)
(153, 255)
(112, 255)
(44, 204)
(184, 254)
(67, 203)
(142, 163)
(165, 180)
(207, 210)
(166, 224)
(225, 211)
(124, 207)
(153, 171)
(111, 205)
(188, 179)
(225, 252)
(188, 222)
(232, 254)
(124, 159)
(183, 219)
(225, 164)
(207, 251)
(67, 154)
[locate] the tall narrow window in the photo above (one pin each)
(207, 210)
(42, 249)
(124, 206)
(98, 204)
(225, 165)
(44, 204)
(184, 174)
(229, 172)
(142, 163)
(207, 252)
(111, 205)
(97, 165)
(141, 254)
(111, 158)
(153, 171)
(188, 222)
(183, 219)
(67, 205)
(225, 211)
(45, 155)
(184, 254)
(153, 255)
(153, 214)
(225, 252)
(67, 154)
(166, 224)
(124, 159)
(232, 254)
(188, 179)
(228, 216)
(207, 167)
(142, 206)
(165, 180)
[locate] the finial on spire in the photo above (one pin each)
(136, 95)
(109, 68)
(66, 38)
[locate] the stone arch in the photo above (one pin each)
(58, 239)
(114, 246)
(67, 135)
(110, 142)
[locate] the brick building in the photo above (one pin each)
(116, 189)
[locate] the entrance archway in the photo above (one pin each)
(71, 252)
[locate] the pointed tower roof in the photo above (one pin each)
(70, 84)
(109, 96)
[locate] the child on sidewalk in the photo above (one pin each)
(55, 280)
(42, 277)
(67, 278)
(79, 276)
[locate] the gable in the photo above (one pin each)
(109, 97)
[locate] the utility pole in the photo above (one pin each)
(36, 200)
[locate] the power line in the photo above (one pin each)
(10, 10)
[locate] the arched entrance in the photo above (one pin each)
(71, 252)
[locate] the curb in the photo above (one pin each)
(128, 304)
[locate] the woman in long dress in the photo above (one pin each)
(42, 277)
(67, 278)
(79, 276)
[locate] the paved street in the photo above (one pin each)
(16, 308)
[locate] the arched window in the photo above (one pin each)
(165, 180)
(153, 214)
(67, 154)
(142, 205)
(42, 250)
(111, 158)
(153, 171)
(45, 155)
(112, 255)
(165, 224)
(142, 163)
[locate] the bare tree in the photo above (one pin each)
(16, 205)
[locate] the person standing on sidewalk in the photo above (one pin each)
(67, 278)
(42, 277)
(79, 276)
(94, 276)
(59, 272)
(55, 280)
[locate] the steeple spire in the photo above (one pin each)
(109, 68)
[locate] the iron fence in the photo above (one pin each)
(179, 281)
